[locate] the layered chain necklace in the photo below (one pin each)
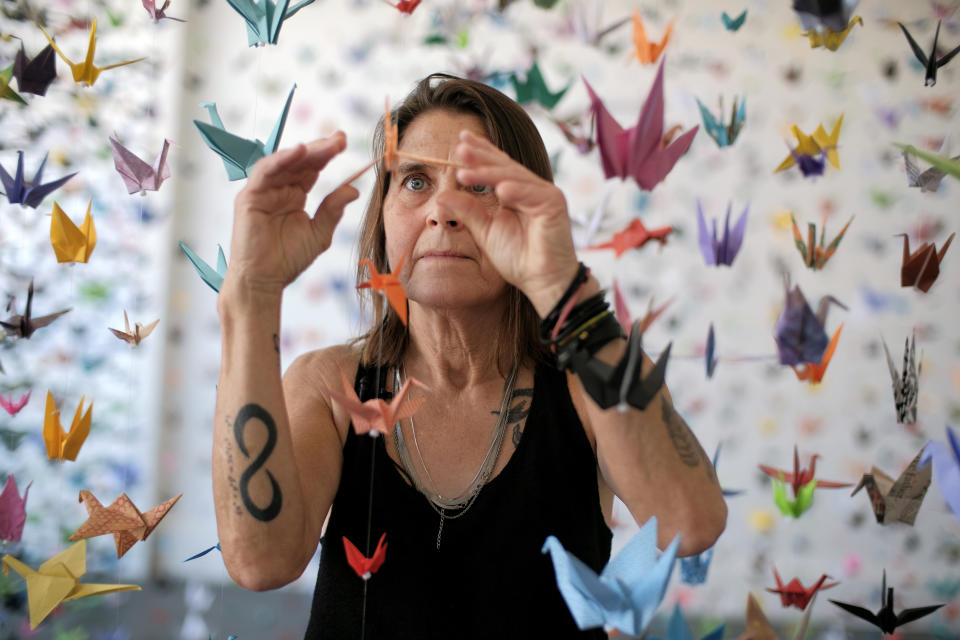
(462, 502)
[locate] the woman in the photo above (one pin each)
(504, 451)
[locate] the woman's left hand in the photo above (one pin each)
(528, 238)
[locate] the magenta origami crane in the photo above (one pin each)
(641, 152)
(137, 174)
(12, 406)
(13, 510)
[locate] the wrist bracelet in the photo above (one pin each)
(548, 322)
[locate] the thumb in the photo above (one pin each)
(330, 211)
(467, 210)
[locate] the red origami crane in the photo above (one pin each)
(364, 566)
(641, 152)
(13, 408)
(375, 416)
(800, 477)
(921, 268)
(813, 373)
(623, 312)
(388, 285)
(795, 594)
(634, 236)
(404, 6)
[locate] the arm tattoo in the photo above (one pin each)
(231, 478)
(685, 444)
(256, 412)
(276, 343)
(518, 412)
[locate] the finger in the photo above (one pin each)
(476, 218)
(330, 211)
(493, 175)
(292, 165)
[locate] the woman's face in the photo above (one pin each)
(444, 267)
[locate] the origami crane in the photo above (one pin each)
(138, 175)
(404, 6)
(896, 500)
(389, 285)
(122, 519)
(829, 38)
(70, 242)
(13, 407)
(575, 130)
(641, 152)
(710, 351)
(928, 180)
(949, 166)
(32, 193)
(679, 629)
(693, 569)
(808, 148)
(6, 91)
(365, 567)
(139, 333)
(801, 476)
(264, 18)
(626, 593)
(921, 268)
(723, 250)
(800, 333)
(64, 445)
(35, 75)
(634, 236)
(946, 462)
(885, 619)
(57, 580)
(930, 63)
(906, 384)
(799, 504)
(644, 50)
(24, 326)
(816, 255)
(794, 594)
(158, 14)
(534, 88)
(727, 493)
(759, 628)
(813, 372)
(375, 416)
(239, 154)
(213, 277)
(724, 136)
(733, 24)
(13, 510)
(824, 14)
(86, 72)
(204, 552)
(623, 312)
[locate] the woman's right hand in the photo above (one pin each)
(274, 238)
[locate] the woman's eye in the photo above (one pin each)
(481, 188)
(415, 183)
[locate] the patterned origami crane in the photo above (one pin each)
(70, 242)
(122, 519)
(86, 72)
(812, 150)
(799, 332)
(794, 594)
(906, 384)
(24, 326)
(389, 285)
(363, 566)
(213, 277)
(634, 236)
(885, 619)
(921, 268)
(815, 255)
(693, 569)
(58, 580)
(928, 180)
(34, 75)
(138, 175)
(897, 500)
(13, 510)
(264, 18)
(644, 50)
(946, 462)
(376, 416)
(12, 406)
(139, 333)
(725, 135)
(65, 445)
(29, 193)
(723, 250)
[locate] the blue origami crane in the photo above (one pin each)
(946, 466)
(724, 135)
(693, 569)
(723, 250)
(626, 593)
(204, 552)
(29, 193)
(733, 24)
(710, 354)
(213, 278)
(678, 629)
(239, 154)
(265, 18)
(799, 332)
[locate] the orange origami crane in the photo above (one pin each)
(364, 566)
(139, 333)
(389, 285)
(645, 51)
(62, 445)
(122, 519)
(70, 242)
(404, 6)
(813, 373)
(794, 594)
(759, 628)
(634, 236)
(86, 72)
(921, 268)
(375, 416)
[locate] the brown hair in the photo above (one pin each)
(509, 127)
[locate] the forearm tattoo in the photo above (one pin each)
(684, 442)
(249, 412)
(518, 412)
(231, 476)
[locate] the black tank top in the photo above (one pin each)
(488, 579)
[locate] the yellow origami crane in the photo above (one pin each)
(819, 142)
(829, 38)
(57, 580)
(122, 519)
(60, 444)
(70, 242)
(86, 72)
(645, 51)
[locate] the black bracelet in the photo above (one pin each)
(550, 321)
(588, 342)
(585, 310)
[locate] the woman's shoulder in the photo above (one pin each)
(311, 377)
(325, 363)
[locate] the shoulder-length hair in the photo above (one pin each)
(510, 128)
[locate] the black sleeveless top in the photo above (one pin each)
(489, 578)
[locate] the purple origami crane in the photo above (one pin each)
(13, 510)
(137, 174)
(946, 465)
(799, 332)
(722, 251)
(32, 193)
(641, 152)
(158, 14)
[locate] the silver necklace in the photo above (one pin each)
(461, 503)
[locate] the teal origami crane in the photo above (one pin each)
(213, 278)
(626, 593)
(724, 134)
(733, 24)
(265, 18)
(239, 154)
(679, 629)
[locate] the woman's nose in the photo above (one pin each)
(441, 215)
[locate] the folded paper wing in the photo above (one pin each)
(363, 566)
(946, 463)
(814, 372)
(375, 416)
(693, 569)
(122, 519)
(389, 285)
(819, 143)
(65, 445)
(921, 268)
(799, 332)
(885, 618)
(13, 510)
(634, 236)
(949, 166)
(139, 333)
(13, 407)
(534, 88)
(86, 72)
(644, 50)
(6, 91)
(733, 24)
(34, 75)
(724, 135)
(137, 175)
(759, 628)
(679, 629)
(722, 250)
(829, 38)
(906, 384)
(32, 193)
(897, 500)
(213, 277)
(795, 594)
(793, 508)
(70, 242)
(265, 18)
(24, 326)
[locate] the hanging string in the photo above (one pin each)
(373, 460)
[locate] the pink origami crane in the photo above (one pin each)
(137, 174)
(375, 416)
(158, 14)
(13, 510)
(641, 152)
(623, 311)
(13, 408)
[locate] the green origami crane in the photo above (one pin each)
(213, 277)
(534, 89)
(6, 91)
(239, 154)
(265, 18)
(793, 508)
(943, 163)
